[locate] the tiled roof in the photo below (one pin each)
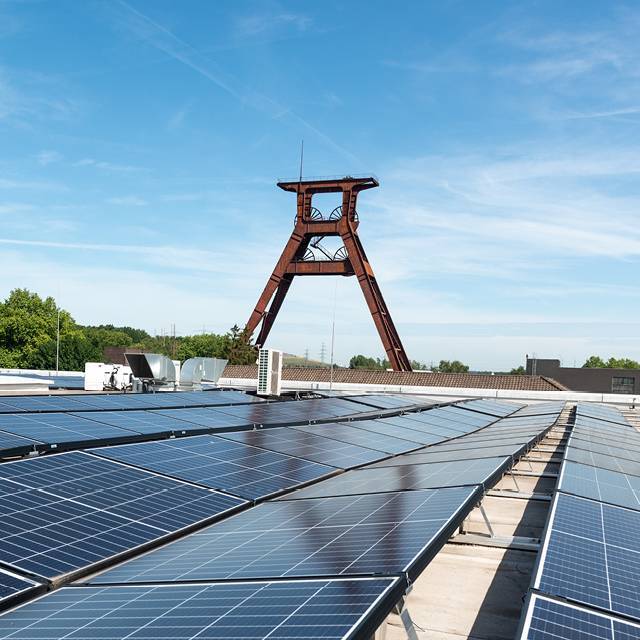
(404, 378)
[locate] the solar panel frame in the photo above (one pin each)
(494, 408)
(14, 445)
(433, 454)
(333, 609)
(14, 588)
(314, 538)
(384, 427)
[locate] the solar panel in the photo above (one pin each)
(385, 426)
(434, 454)
(13, 586)
(61, 428)
(600, 484)
(307, 445)
(144, 422)
(603, 461)
(461, 421)
(381, 534)
(547, 619)
(602, 426)
(591, 435)
(462, 443)
(491, 407)
(11, 444)
(380, 401)
(305, 609)
(351, 433)
(44, 403)
(405, 477)
(591, 554)
(576, 442)
(66, 512)
(430, 433)
(205, 417)
(210, 461)
(540, 409)
(601, 411)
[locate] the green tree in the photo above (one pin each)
(452, 366)
(418, 366)
(239, 349)
(518, 371)
(75, 350)
(622, 363)
(27, 323)
(594, 362)
(206, 345)
(364, 362)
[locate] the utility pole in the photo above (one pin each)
(323, 351)
(58, 345)
(306, 355)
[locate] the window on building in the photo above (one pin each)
(622, 384)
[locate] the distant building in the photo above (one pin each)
(586, 379)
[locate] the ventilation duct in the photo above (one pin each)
(198, 370)
(152, 368)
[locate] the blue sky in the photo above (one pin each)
(140, 143)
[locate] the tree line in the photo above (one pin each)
(29, 327)
(445, 366)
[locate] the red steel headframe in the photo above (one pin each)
(310, 226)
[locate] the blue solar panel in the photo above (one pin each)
(304, 609)
(206, 418)
(43, 403)
(495, 408)
(435, 454)
(387, 426)
(601, 411)
(600, 484)
(382, 534)
(213, 462)
(591, 555)
(427, 433)
(13, 585)
(144, 422)
(308, 446)
(546, 619)
(406, 477)
(603, 461)
(351, 433)
(380, 401)
(66, 512)
(61, 428)
(11, 444)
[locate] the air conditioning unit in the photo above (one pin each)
(269, 372)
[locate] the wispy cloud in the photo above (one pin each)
(48, 157)
(175, 47)
(108, 166)
(271, 21)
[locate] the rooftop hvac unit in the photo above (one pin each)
(152, 368)
(269, 372)
(198, 370)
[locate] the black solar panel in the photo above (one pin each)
(541, 408)
(61, 428)
(304, 609)
(405, 477)
(66, 512)
(577, 442)
(378, 534)
(237, 468)
(309, 446)
(380, 401)
(13, 585)
(351, 433)
(387, 428)
(591, 555)
(427, 433)
(600, 484)
(600, 411)
(547, 619)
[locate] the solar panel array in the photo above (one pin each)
(590, 557)
(329, 560)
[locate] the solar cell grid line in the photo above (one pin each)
(334, 609)
(143, 422)
(349, 432)
(216, 463)
(606, 449)
(65, 512)
(600, 484)
(386, 427)
(406, 477)
(377, 534)
(54, 429)
(37, 404)
(548, 619)
(308, 446)
(591, 555)
(14, 586)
